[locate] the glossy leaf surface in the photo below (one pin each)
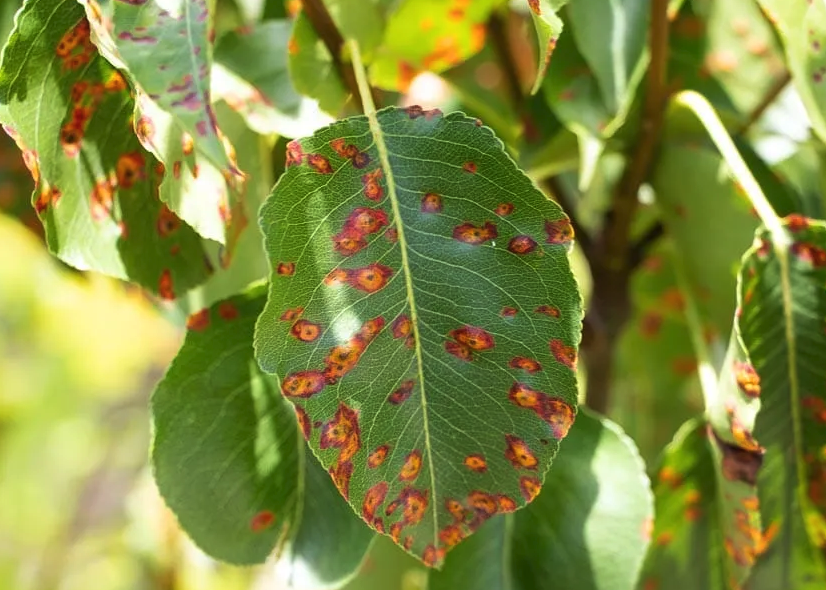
(165, 50)
(229, 460)
(586, 530)
(69, 112)
(802, 26)
(423, 315)
(782, 298)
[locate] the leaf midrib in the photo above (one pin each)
(384, 159)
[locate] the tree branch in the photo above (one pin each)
(771, 95)
(640, 249)
(507, 59)
(329, 34)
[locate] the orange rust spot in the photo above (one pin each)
(227, 311)
(525, 364)
(473, 337)
(370, 278)
(650, 324)
(167, 222)
(377, 457)
(810, 253)
(319, 163)
(102, 200)
(414, 505)
(559, 232)
(684, 365)
(337, 276)
(303, 422)
(198, 321)
(262, 521)
(165, 289)
(475, 235)
(664, 538)
(668, 475)
(373, 500)
(292, 314)
(365, 220)
(130, 168)
(402, 393)
(522, 245)
(411, 467)
(508, 312)
(342, 432)
(483, 502)
(286, 269)
(530, 487)
(796, 222)
(460, 351)
(302, 384)
(431, 203)
(504, 209)
(305, 331)
(451, 535)
(456, 509)
(371, 181)
(432, 556)
(295, 154)
(341, 473)
(401, 327)
(563, 353)
(519, 454)
(505, 504)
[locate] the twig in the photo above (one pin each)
(554, 186)
(327, 31)
(625, 200)
(771, 95)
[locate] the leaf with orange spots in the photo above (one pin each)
(548, 30)
(585, 530)
(802, 27)
(781, 328)
(96, 187)
(414, 354)
(428, 36)
(231, 464)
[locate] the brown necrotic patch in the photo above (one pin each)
(526, 364)
(342, 432)
(559, 232)
(403, 392)
(522, 245)
(530, 487)
(504, 209)
(411, 467)
(475, 235)
(563, 353)
(554, 411)
(431, 203)
(305, 331)
(548, 310)
(373, 500)
(341, 472)
(473, 337)
(319, 163)
(378, 456)
(519, 453)
(302, 384)
(739, 464)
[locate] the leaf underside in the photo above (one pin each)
(423, 318)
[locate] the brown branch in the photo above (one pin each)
(612, 262)
(507, 59)
(767, 101)
(329, 34)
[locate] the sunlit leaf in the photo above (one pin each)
(548, 29)
(782, 299)
(165, 50)
(423, 315)
(69, 112)
(802, 26)
(229, 460)
(586, 529)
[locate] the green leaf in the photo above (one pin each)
(165, 51)
(688, 548)
(782, 300)
(69, 112)
(585, 530)
(612, 36)
(229, 459)
(414, 266)
(16, 187)
(548, 29)
(428, 35)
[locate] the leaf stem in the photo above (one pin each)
(703, 110)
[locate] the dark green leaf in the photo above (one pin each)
(70, 112)
(586, 530)
(425, 268)
(229, 459)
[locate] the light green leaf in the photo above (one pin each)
(229, 459)
(802, 26)
(69, 112)
(586, 530)
(415, 269)
(548, 29)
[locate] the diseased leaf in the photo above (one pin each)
(548, 29)
(16, 187)
(229, 459)
(69, 112)
(802, 26)
(428, 35)
(586, 530)
(165, 50)
(782, 299)
(423, 314)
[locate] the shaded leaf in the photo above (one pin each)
(165, 51)
(229, 459)
(415, 297)
(802, 26)
(16, 187)
(428, 35)
(586, 529)
(69, 112)
(781, 325)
